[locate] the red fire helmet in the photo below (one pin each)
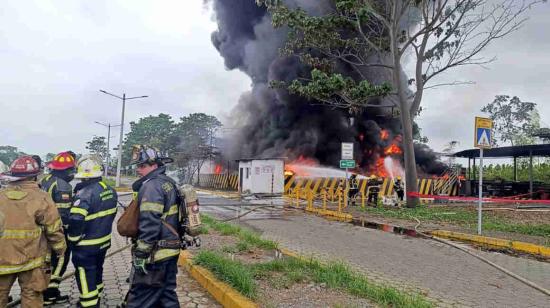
(24, 166)
(62, 161)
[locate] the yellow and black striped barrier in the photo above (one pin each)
(219, 181)
(426, 186)
(316, 185)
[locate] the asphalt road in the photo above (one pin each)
(451, 277)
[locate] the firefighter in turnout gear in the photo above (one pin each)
(157, 247)
(353, 189)
(32, 226)
(90, 225)
(62, 169)
(399, 190)
(373, 190)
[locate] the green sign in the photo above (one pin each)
(347, 163)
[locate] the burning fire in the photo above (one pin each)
(393, 149)
(218, 169)
(297, 166)
(384, 134)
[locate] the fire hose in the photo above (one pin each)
(498, 267)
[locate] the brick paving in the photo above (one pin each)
(116, 271)
(445, 274)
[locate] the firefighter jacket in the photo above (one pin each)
(32, 227)
(61, 193)
(92, 215)
(158, 207)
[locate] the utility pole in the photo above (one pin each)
(108, 125)
(124, 99)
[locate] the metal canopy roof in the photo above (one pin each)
(515, 151)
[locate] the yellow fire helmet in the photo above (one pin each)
(89, 167)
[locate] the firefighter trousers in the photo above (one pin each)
(88, 263)
(157, 288)
(59, 266)
(32, 282)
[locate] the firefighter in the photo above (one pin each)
(90, 225)
(32, 226)
(373, 190)
(62, 169)
(353, 188)
(399, 190)
(157, 247)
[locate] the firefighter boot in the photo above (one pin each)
(52, 296)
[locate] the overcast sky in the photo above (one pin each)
(56, 55)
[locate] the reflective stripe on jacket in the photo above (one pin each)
(32, 227)
(92, 215)
(61, 193)
(157, 200)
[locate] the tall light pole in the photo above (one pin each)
(108, 125)
(124, 99)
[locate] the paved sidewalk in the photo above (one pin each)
(116, 271)
(441, 272)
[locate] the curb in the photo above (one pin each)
(222, 292)
(495, 242)
(344, 217)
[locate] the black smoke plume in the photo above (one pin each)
(272, 122)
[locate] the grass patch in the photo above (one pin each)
(245, 235)
(234, 273)
(463, 218)
(334, 275)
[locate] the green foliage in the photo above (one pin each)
(9, 154)
(325, 87)
(190, 141)
(323, 41)
(155, 131)
(541, 171)
(514, 121)
(246, 236)
(234, 273)
(464, 218)
(335, 275)
(97, 146)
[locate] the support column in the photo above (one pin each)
(531, 173)
(515, 169)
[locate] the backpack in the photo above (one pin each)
(128, 223)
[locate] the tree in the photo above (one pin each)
(374, 37)
(97, 146)
(49, 157)
(155, 131)
(195, 138)
(514, 121)
(9, 153)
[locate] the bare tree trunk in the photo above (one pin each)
(406, 119)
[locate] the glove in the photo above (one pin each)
(139, 265)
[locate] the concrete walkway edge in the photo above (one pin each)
(222, 292)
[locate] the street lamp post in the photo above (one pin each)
(108, 125)
(124, 99)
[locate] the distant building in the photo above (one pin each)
(262, 176)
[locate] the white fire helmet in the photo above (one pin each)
(89, 167)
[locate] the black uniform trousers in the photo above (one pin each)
(157, 288)
(59, 266)
(88, 263)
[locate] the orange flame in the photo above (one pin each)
(393, 150)
(295, 167)
(218, 169)
(384, 134)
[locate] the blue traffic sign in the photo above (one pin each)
(483, 137)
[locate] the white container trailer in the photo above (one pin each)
(262, 176)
